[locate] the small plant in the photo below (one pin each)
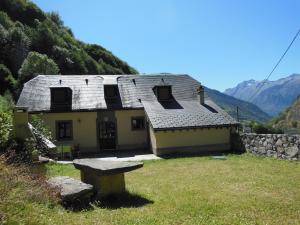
(294, 124)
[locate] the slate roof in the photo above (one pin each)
(186, 111)
(36, 92)
(135, 92)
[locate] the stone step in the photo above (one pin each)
(73, 193)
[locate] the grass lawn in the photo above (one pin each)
(243, 189)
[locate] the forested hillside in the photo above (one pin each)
(33, 42)
(289, 119)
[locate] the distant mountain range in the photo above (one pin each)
(272, 96)
(247, 111)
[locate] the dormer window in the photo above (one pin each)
(61, 99)
(163, 93)
(111, 91)
(112, 96)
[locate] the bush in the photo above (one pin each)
(7, 81)
(17, 49)
(36, 64)
(23, 10)
(6, 122)
(294, 124)
(5, 21)
(5, 129)
(264, 129)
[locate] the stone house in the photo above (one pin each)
(163, 113)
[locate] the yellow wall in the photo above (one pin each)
(127, 137)
(177, 139)
(84, 128)
(152, 138)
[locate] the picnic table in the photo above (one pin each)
(107, 177)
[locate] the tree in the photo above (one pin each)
(7, 82)
(54, 16)
(43, 38)
(5, 21)
(36, 64)
(17, 48)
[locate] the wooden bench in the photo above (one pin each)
(107, 177)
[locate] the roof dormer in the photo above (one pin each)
(61, 98)
(163, 93)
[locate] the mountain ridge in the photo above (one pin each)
(247, 110)
(272, 97)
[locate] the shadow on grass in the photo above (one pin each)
(125, 199)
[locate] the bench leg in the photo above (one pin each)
(105, 185)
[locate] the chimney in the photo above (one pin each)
(21, 130)
(201, 94)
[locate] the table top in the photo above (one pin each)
(106, 167)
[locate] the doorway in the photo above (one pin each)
(107, 135)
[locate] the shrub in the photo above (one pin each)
(264, 128)
(5, 129)
(7, 81)
(5, 21)
(23, 10)
(294, 123)
(35, 64)
(17, 48)
(54, 16)
(5, 122)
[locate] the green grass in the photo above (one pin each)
(243, 189)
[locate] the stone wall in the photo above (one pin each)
(273, 145)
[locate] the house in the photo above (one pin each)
(163, 113)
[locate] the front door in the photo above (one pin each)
(107, 135)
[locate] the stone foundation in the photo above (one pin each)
(272, 145)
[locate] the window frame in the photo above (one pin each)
(158, 95)
(108, 88)
(65, 103)
(138, 118)
(57, 128)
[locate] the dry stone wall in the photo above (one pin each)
(273, 145)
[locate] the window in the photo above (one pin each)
(64, 130)
(111, 94)
(138, 123)
(61, 98)
(163, 93)
(110, 91)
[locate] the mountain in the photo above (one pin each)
(289, 119)
(34, 42)
(247, 111)
(271, 96)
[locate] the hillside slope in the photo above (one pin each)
(289, 119)
(27, 34)
(247, 111)
(273, 97)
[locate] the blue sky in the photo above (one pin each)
(220, 43)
